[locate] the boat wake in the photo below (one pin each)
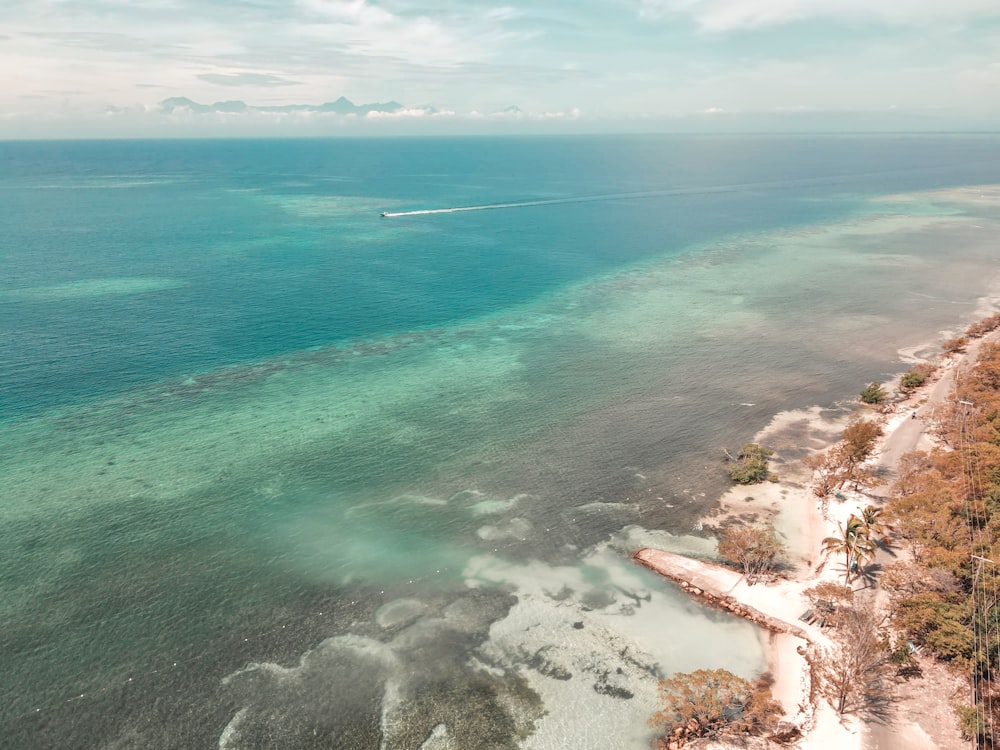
(704, 190)
(486, 207)
(547, 202)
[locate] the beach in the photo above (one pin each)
(924, 715)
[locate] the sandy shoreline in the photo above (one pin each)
(804, 520)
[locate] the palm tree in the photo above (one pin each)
(854, 542)
(876, 527)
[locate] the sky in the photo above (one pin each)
(91, 68)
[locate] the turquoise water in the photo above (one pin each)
(279, 472)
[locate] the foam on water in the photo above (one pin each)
(588, 639)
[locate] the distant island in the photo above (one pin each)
(342, 106)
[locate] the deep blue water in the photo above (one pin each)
(244, 419)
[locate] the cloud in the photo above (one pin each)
(408, 113)
(181, 112)
(247, 79)
(341, 106)
(471, 58)
(572, 114)
(728, 15)
(360, 28)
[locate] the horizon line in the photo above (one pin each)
(549, 135)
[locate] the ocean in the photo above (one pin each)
(281, 472)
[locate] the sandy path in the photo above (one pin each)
(906, 433)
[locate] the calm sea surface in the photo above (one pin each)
(279, 472)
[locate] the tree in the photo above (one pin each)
(755, 549)
(853, 673)
(826, 472)
(874, 393)
(854, 544)
(939, 621)
(751, 465)
(928, 512)
(856, 447)
(713, 703)
(859, 440)
(844, 462)
(972, 722)
(877, 529)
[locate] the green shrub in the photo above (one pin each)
(902, 653)
(917, 376)
(971, 721)
(751, 466)
(874, 393)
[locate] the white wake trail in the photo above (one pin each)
(767, 185)
(486, 207)
(548, 202)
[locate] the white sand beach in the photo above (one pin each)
(924, 717)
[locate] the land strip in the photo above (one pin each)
(924, 718)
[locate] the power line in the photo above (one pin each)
(975, 541)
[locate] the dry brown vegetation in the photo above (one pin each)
(854, 673)
(712, 703)
(955, 345)
(984, 326)
(844, 463)
(946, 506)
(754, 549)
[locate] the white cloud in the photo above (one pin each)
(571, 114)
(76, 59)
(361, 28)
(409, 113)
(727, 15)
(353, 12)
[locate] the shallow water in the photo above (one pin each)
(281, 473)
